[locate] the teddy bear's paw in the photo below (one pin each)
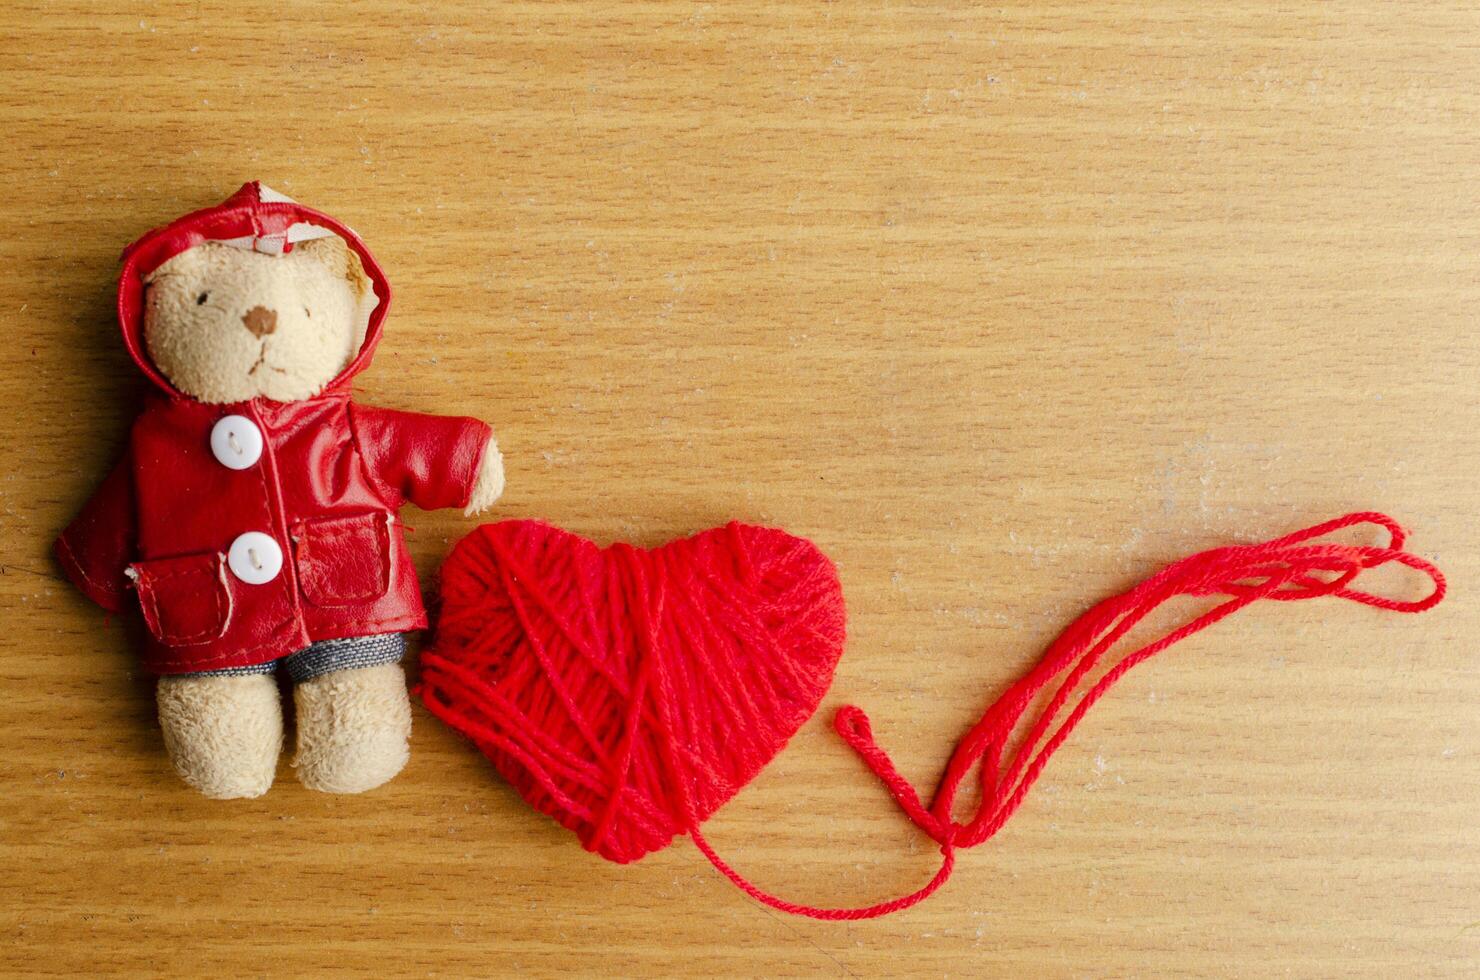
(353, 728)
(223, 734)
(489, 485)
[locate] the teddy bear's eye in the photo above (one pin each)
(201, 299)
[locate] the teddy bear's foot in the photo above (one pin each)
(353, 727)
(222, 733)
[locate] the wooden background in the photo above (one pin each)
(1005, 307)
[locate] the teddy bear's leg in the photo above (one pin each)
(354, 716)
(353, 727)
(222, 732)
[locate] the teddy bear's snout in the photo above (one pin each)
(260, 320)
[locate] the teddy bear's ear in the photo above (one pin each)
(184, 262)
(339, 257)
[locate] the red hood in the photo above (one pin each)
(242, 216)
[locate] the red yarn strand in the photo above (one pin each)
(631, 722)
(1281, 569)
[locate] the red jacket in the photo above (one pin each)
(174, 525)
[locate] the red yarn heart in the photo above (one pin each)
(629, 693)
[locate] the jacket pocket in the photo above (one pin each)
(343, 560)
(184, 600)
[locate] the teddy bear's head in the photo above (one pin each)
(227, 324)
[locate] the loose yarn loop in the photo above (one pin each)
(674, 792)
(1285, 569)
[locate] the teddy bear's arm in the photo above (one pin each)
(431, 460)
(96, 548)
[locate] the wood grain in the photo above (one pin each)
(1004, 306)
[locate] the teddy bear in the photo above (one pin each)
(254, 518)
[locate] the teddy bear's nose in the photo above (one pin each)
(260, 320)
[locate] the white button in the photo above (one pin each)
(255, 558)
(236, 442)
